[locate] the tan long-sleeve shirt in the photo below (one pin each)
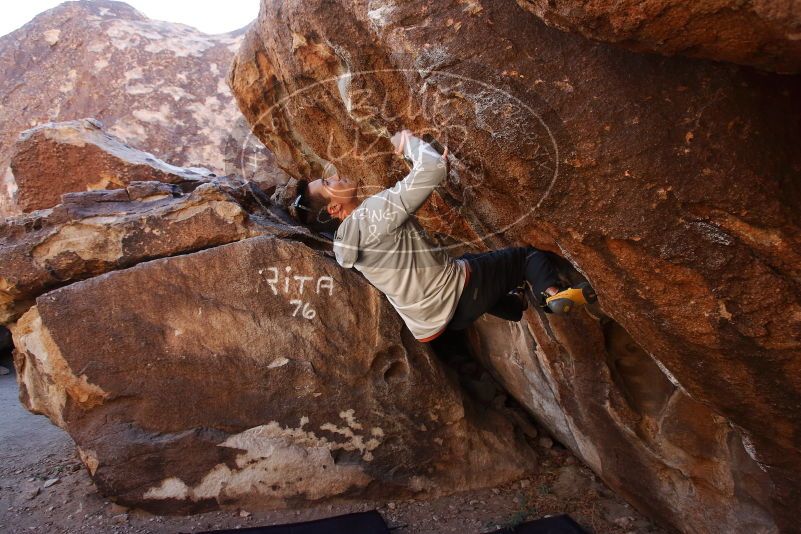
(390, 248)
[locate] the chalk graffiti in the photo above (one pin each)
(307, 313)
(299, 285)
(295, 285)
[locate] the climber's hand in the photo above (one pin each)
(399, 141)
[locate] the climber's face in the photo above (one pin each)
(340, 192)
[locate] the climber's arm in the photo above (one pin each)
(428, 170)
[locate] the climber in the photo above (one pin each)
(430, 290)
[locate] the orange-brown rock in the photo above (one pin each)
(97, 231)
(670, 183)
(162, 211)
(256, 373)
(157, 85)
(56, 158)
(193, 342)
(762, 33)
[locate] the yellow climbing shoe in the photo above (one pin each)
(567, 299)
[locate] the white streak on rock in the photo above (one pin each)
(138, 89)
(171, 488)
(135, 73)
(233, 43)
(749, 447)
(278, 362)
(132, 131)
(277, 463)
(222, 87)
(9, 183)
(175, 92)
(163, 116)
(97, 47)
(88, 241)
(45, 376)
(347, 415)
(667, 373)
(216, 119)
(51, 36)
(69, 83)
(379, 16)
(343, 84)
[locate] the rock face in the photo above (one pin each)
(163, 210)
(671, 184)
(94, 232)
(232, 376)
(101, 160)
(762, 33)
(154, 84)
(194, 344)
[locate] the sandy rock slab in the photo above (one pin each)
(236, 376)
(98, 231)
(60, 157)
(159, 210)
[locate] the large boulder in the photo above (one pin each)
(256, 373)
(100, 161)
(94, 232)
(762, 33)
(670, 183)
(163, 210)
(641, 415)
(155, 84)
(193, 342)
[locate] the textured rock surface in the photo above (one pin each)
(157, 85)
(192, 341)
(164, 210)
(671, 183)
(762, 33)
(639, 418)
(94, 232)
(234, 376)
(56, 158)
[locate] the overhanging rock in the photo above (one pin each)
(670, 183)
(765, 34)
(253, 373)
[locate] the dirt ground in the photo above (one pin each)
(45, 488)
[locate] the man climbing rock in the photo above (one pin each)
(430, 290)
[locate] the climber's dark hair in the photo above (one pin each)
(311, 210)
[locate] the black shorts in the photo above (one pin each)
(493, 275)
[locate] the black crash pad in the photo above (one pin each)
(361, 522)
(560, 524)
(372, 523)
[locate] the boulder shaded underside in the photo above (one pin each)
(764, 34)
(671, 184)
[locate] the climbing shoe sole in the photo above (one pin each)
(564, 301)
